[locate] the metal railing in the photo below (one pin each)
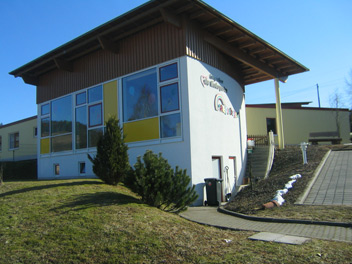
(259, 140)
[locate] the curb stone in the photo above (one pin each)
(282, 220)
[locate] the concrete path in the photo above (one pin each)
(210, 216)
(333, 185)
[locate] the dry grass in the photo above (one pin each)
(86, 221)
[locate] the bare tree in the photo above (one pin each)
(335, 104)
(349, 90)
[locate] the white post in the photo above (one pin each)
(304, 152)
(279, 124)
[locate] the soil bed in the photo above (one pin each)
(289, 162)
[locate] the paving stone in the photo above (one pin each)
(279, 238)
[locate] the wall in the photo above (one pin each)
(298, 123)
(27, 140)
(176, 149)
(212, 132)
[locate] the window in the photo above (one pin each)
(14, 141)
(45, 127)
(89, 117)
(61, 124)
(35, 132)
(151, 99)
(82, 167)
(139, 92)
(168, 72)
(0, 143)
(170, 125)
(81, 98)
(95, 115)
(95, 94)
(271, 125)
(45, 109)
(81, 127)
(93, 137)
(61, 116)
(56, 169)
(169, 98)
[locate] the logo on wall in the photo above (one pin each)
(221, 107)
(213, 82)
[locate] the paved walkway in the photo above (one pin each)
(333, 185)
(210, 216)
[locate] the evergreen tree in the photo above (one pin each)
(161, 186)
(111, 162)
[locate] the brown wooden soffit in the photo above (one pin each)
(255, 59)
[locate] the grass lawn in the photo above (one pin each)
(85, 221)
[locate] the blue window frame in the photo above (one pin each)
(169, 98)
(170, 125)
(45, 109)
(95, 94)
(139, 92)
(81, 98)
(61, 116)
(168, 72)
(95, 115)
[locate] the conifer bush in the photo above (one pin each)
(111, 162)
(161, 186)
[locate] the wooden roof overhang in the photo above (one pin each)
(258, 60)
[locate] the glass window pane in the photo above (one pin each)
(61, 143)
(140, 96)
(95, 94)
(44, 127)
(81, 127)
(61, 116)
(168, 72)
(82, 168)
(81, 98)
(45, 109)
(170, 125)
(93, 136)
(169, 98)
(95, 115)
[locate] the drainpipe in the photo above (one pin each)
(279, 124)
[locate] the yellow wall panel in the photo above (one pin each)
(110, 100)
(44, 146)
(142, 130)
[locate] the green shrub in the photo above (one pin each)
(159, 185)
(111, 163)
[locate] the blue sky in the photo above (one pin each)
(318, 34)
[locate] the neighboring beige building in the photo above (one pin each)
(298, 121)
(18, 140)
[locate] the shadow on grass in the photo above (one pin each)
(98, 199)
(48, 186)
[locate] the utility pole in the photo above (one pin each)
(318, 95)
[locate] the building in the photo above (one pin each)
(299, 121)
(18, 140)
(173, 72)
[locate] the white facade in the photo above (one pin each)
(212, 142)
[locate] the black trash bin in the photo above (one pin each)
(213, 189)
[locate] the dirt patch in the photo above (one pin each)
(287, 162)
